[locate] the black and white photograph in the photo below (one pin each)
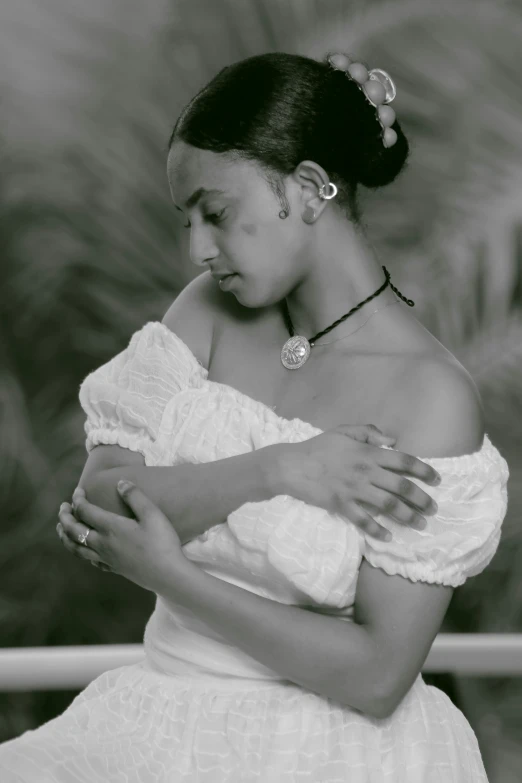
(261, 391)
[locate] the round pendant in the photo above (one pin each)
(295, 352)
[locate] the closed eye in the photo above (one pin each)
(212, 218)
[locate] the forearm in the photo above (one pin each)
(194, 497)
(334, 658)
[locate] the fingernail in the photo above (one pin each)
(64, 507)
(123, 485)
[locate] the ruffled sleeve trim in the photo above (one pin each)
(118, 437)
(436, 572)
(125, 399)
(461, 539)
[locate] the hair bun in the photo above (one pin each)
(279, 109)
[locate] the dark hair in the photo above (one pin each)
(279, 109)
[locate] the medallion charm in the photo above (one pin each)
(295, 352)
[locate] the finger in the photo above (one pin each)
(360, 518)
(366, 433)
(78, 550)
(103, 567)
(98, 518)
(73, 529)
(376, 437)
(138, 501)
(383, 502)
(367, 523)
(100, 564)
(401, 462)
(407, 490)
(78, 494)
(380, 439)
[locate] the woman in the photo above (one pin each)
(287, 640)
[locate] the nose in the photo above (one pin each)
(202, 248)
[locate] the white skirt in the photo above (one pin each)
(134, 724)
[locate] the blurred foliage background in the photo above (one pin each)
(91, 249)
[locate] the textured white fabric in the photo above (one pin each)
(199, 709)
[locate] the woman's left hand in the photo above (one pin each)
(146, 550)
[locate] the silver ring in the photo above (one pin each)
(322, 191)
(82, 537)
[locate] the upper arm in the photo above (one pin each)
(403, 616)
(104, 457)
(190, 316)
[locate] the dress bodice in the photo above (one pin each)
(155, 398)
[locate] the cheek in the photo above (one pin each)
(261, 260)
(249, 228)
(264, 239)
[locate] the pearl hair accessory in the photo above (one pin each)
(377, 87)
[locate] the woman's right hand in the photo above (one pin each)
(344, 471)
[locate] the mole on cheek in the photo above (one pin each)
(249, 228)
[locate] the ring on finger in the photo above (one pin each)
(82, 537)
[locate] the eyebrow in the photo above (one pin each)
(194, 198)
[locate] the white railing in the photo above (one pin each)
(73, 667)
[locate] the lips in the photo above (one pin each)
(220, 275)
(223, 283)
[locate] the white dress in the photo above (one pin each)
(197, 708)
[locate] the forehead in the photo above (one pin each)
(189, 168)
(187, 165)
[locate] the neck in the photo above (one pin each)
(340, 271)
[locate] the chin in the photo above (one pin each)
(245, 295)
(247, 301)
(251, 296)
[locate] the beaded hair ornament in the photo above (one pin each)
(377, 87)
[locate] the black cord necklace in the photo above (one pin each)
(296, 350)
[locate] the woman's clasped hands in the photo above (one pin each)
(146, 550)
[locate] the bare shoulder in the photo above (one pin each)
(444, 415)
(193, 313)
(201, 310)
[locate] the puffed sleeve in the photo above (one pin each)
(125, 399)
(462, 537)
(318, 553)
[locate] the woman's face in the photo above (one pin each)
(235, 225)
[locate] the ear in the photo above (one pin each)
(310, 177)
